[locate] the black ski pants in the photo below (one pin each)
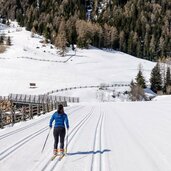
(59, 132)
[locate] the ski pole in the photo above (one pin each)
(45, 140)
(66, 142)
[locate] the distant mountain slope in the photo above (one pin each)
(140, 28)
(28, 60)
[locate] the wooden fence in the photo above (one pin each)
(19, 107)
(39, 98)
(80, 87)
(22, 111)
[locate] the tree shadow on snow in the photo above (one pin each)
(89, 152)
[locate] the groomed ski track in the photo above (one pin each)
(102, 137)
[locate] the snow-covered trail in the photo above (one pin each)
(102, 137)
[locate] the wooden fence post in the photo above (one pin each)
(38, 109)
(59, 98)
(44, 108)
(52, 106)
(47, 106)
(23, 113)
(1, 119)
(13, 115)
(30, 111)
(55, 104)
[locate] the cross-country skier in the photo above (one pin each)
(61, 120)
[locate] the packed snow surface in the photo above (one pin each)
(103, 136)
(123, 136)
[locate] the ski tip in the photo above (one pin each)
(60, 158)
(53, 157)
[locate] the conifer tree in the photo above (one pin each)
(83, 34)
(61, 43)
(152, 46)
(140, 78)
(107, 36)
(161, 46)
(167, 86)
(168, 77)
(156, 79)
(135, 43)
(143, 26)
(122, 41)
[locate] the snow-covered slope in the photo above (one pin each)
(28, 60)
(122, 136)
(102, 136)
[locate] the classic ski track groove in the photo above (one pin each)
(106, 142)
(99, 126)
(21, 129)
(5, 153)
(81, 127)
(20, 143)
(33, 124)
(77, 128)
(49, 161)
(100, 142)
(137, 137)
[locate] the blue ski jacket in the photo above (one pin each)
(60, 120)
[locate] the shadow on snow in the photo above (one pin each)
(89, 152)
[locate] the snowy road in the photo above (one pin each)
(102, 137)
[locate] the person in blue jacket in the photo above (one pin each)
(61, 121)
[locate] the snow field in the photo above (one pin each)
(109, 136)
(102, 136)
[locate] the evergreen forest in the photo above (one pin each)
(138, 27)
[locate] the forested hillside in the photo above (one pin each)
(138, 27)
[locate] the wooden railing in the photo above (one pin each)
(39, 98)
(20, 107)
(22, 111)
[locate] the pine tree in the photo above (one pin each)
(168, 76)
(140, 78)
(122, 41)
(83, 31)
(135, 43)
(161, 45)
(156, 79)
(167, 86)
(152, 46)
(107, 36)
(143, 25)
(61, 43)
(114, 37)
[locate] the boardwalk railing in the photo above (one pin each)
(39, 98)
(22, 111)
(20, 107)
